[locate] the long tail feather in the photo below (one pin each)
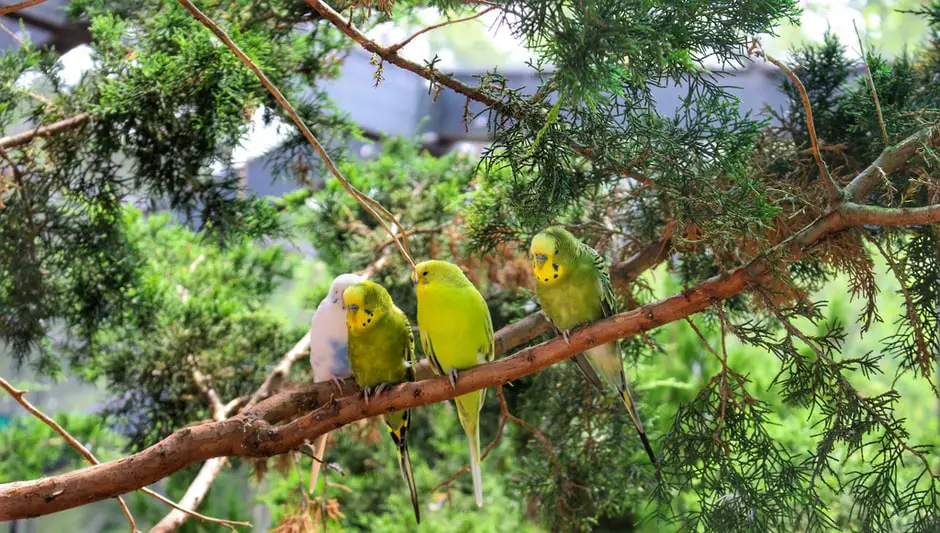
(468, 411)
(397, 424)
(635, 416)
(319, 449)
(474, 442)
(404, 462)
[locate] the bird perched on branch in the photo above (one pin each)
(381, 353)
(328, 350)
(573, 288)
(456, 334)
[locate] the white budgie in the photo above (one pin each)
(328, 349)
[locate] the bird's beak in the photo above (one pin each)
(414, 278)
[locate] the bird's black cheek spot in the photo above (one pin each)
(555, 266)
(369, 321)
(556, 276)
(546, 279)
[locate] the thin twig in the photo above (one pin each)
(724, 370)
(871, 83)
(6, 10)
(367, 203)
(61, 126)
(231, 524)
(13, 36)
(835, 193)
(396, 47)
(18, 395)
(924, 358)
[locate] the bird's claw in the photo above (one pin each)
(452, 375)
(374, 391)
(564, 335)
(338, 384)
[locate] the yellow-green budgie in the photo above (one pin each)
(381, 352)
(574, 288)
(456, 333)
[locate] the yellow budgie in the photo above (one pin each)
(456, 333)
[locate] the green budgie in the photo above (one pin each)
(574, 289)
(381, 352)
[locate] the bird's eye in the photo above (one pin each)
(425, 273)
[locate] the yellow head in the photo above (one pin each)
(553, 254)
(366, 303)
(431, 275)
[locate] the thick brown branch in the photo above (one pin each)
(66, 124)
(890, 159)
(857, 215)
(209, 471)
(18, 395)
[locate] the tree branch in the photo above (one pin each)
(396, 47)
(61, 126)
(209, 471)
(6, 10)
(857, 215)
(871, 84)
(832, 187)
(390, 55)
(627, 271)
(890, 158)
(253, 434)
(18, 395)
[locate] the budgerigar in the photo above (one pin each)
(573, 287)
(456, 333)
(381, 352)
(328, 350)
